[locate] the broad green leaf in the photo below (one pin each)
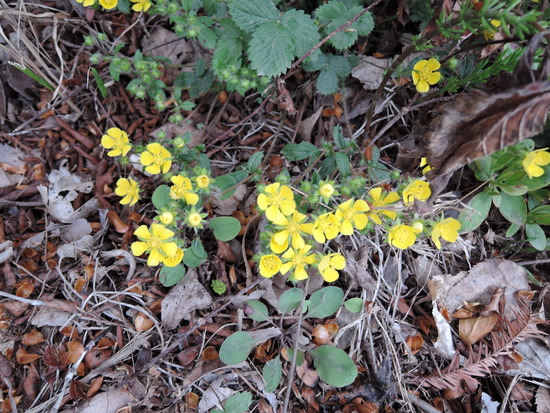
(305, 34)
(540, 182)
(195, 254)
(342, 163)
(161, 197)
(255, 160)
(249, 15)
(271, 49)
(225, 228)
(335, 13)
(290, 300)
(224, 182)
(539, 215)
(299, 151)
(170, 276)
(535, 236)
(257, 310)
(327, 166)
(238, 403)
(513, 208)
(334, 366)
(272, 374)
(354, 305)
(472, 218)
(229, 48)
(300, 357)
(236, 347)
(324, 302)
(331, 70)
(512, 229)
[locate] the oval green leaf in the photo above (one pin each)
(236, 347)
(513, 208)
(535, 236)
(272, 374)
(334, 366)
(161, 197)
(324, 302)
(474, 217)
(238, 403)
(256, 310)
(170, 276)
(290, 300)
(225, 228)
(354, 305)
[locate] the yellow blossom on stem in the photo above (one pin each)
(352, 214)
(156, 159)
(141, 5)
(402, 236)
(155, 241)
(269, 265)
(377, 203)
(86, 3)
(108, 4)
(329, 265)
(129, 189)
(424, 74)
(166, 218)
(194, 219)
(278, 248)
(446, 229)
(326, 227)
(534, 160)
(175, 259)
(202, 181)
(182, 189)
(416, 190)
(293, 227)
(298, 260)
(275, 200)
(116, 140)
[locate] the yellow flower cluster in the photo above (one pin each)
(140, 5)
(404, 236)
(533, 162)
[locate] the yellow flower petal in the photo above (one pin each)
(142, 232)
(146, 158)
(138, 248)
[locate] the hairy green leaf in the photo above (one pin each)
(161, 197)
(251, 14)
(299, 151)
(331, 69)
(304, 32)
(170, 276)
(513, 208)
(257, 310)
(271, 49)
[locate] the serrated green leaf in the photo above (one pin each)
(272, 374)
(305, 34)
(334, 366)
(331, 69)
(535, 236)
(290, 300)
(225, 228)
(271, 49)
(169, 276)
(354, 305)
(473, 218)
(513, 208)
(257, 310)
(299, 151)
(236, 347)
(324, 302)
(327, 166)
(229, 48)
(343, 164)
(161, 197)
(238, 403)
(251, 14)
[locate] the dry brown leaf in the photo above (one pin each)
(542, 398)
(75, 350)
(472, 330)
(210, 353)
(32, 338)
(24, 289)
(308, 394)
(321, 335)
(192, 400)
(309, 376)
(94, 386)
(30, 383)
(143, 323)
(22, 356)
(414, 343)
(55, 356)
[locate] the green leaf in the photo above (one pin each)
(271, 49)
(332, 69)
(255, 160)
(354, 305)
(300, 357)
(123, 6)
(324, 302)
(472, 218)
(512, 229)
(290, 300)
(304, 32)
(258, 310)
(539, 215)
(238, 403)
(249, 15)
(342, 163)
(170, 276)
(236, 347)
(100, 84)
(513, 208)
(334, 366)
(299, 151)
(195, 254)
(230, 46)
(224, 182)
(161, 197)
(225, 228)
(272, 374)
(327, 166)
(535, 236)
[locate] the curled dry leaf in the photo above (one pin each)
(414, 343)
(22, 356)
(471, 330)
(210, 353)
(30, 382)
(143, 323)
(94, 386)
(75, 350)
(192, 400)
(32, 338)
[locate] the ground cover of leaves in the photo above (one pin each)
(86, 326)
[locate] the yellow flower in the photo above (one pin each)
(490, 34)
(325, 227)
(175, 259)
(329, 264)
(298, 260)
(202, 181)
(326, 191)
(86, 3)
(156, 242)
(182, 189)
(352, 213)
(129, 189)
(194, 219)
(278, 248)
(378, 202)
(156, 159)
(108, 4)
(426, 166)
(275, 200)
(424, 74)
(292, 228)
(166, 218)
(141, 5)
(534, 160)
(117, 140)
(402, 236)
(416, 190)
(446, 229)
(269, 265)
